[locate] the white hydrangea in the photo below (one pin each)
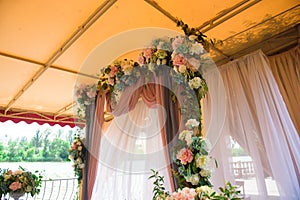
(205, 172)
(182, 135)
(205, 189)
(194, 179)
(195, 83)
(188, 137)
(182, 69)
(196, 48)
(202, 161)
(192, 123)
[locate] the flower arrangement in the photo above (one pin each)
(194, 170)
(184, 54)
(198, 35)
(20, 181)
(77, 156)
(191, 156)
(228, 192)
(85, 95)
(115, 73)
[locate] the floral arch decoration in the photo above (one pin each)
(186, 56)
(169, 72)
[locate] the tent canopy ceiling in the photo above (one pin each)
(43, 44)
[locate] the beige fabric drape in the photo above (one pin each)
(286, 70)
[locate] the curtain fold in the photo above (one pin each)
(93, 133)
(258, 119)
(286, 71)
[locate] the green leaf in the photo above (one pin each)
(216, 163)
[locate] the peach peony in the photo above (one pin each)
(185, 156)
(15, 186)
(179, 60)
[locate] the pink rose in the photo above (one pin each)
(15, 186)
(148, 53)
(179, 60)
(185, 156)
(141, 60)
(113, 71)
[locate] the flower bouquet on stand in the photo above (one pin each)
(19, 182)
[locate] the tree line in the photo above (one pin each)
(43, 146)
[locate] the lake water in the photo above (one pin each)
(51, 170)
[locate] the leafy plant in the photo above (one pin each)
(229, 192)
(199, 36)
(159, 188)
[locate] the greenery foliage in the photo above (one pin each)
(159, 188)
(42, 147)
(228, 192)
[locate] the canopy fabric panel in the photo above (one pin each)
(44, 44)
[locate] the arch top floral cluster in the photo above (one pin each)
(184, 54)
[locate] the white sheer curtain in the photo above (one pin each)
(129, 149)
(215, 106)
(258, 119)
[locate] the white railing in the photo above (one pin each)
(243, 169)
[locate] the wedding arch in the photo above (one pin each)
(167, 81)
